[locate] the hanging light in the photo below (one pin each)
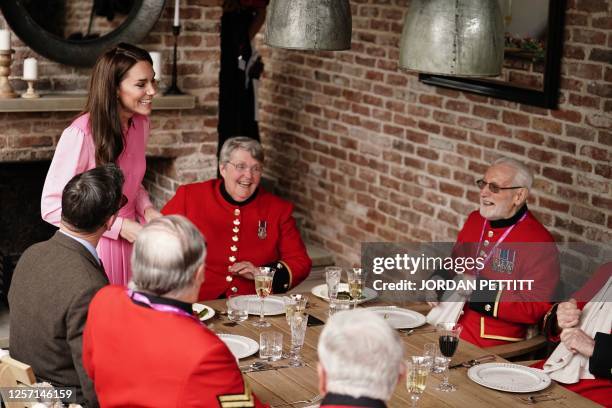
(309, 24)
(453, 37)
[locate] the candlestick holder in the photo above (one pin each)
(31, 92)
(6, 90)
(173, 89)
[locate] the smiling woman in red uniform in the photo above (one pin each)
(245, 226)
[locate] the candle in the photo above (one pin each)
(176, 13)
(156, 57)
(30, 69)
(5, 40)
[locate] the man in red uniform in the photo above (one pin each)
(144, 346)
(244, 225)
(513, 245)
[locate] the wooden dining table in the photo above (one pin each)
(293, 384)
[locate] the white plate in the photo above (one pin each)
(273, 305)
(399, 318)
(509, 377)
(240, 346)
(321, 292)
(198, 307)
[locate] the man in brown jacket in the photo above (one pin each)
(55, 280)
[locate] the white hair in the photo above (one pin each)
(361, 355)
(166, 256)
(523, 176)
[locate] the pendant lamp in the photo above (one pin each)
(309, 24)
(453, 37)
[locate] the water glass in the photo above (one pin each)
(294, 303)
(332, 278)
(237, 311)
(271, 345)
(338, 305)
(298, 333)
(434, 359)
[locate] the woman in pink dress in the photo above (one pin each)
(113, 128)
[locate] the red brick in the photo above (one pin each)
(431, 100)
(515, 119)
(485, 112)
(588, 214)
(454, 133)
(554, 205)
(469, 151)
(511, 147)
(470, 123)
(603, 22)
(584, 101)
(427, 153)
(588, 37)
(482, 140)
(547, 125)
(605, 138)
(458, 106)
(599, 89)
(572, 163)
(561, 176)
(573, 52)
(530, 137)
(451, 189)
(591, 6)
(558, 144)
(444, 117)
(602, 202)
(596, 153)
(498, 130)
(571, 194)
(586, 71)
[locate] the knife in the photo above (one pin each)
(471, 363)
(266, 368)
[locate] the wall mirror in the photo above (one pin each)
(532, 56)
(76, 32)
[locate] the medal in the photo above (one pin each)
(262, 232)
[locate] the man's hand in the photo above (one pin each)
(568, 314)
(578, 341)
(150, 214)
(245, 269)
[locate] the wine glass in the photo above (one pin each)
(448, 340)
(298, 323)
(355, 281)
(263, 287)
(417, 371)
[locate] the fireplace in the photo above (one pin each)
(21, 185)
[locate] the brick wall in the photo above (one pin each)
(370, 154)
(365, 151)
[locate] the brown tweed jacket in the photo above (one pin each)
(52, 285)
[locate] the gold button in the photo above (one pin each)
(236, 222)
(490, 234)
(487, 308)
(286, 285)
(236, 212)
(234, 289)
(234, 248)
(235, 229)
(229, 278)
(235, 238)
(486, 242)
(232, 258)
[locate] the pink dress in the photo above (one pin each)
(75, 153)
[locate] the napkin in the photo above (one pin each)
(569, 368)
(449, 309)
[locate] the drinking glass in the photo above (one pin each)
(338, 305)
(356, 282)
(271, 346)
(332, 278)
(237, 311)
(448, 340)
(417, 370)
(263, 287)
(432, 354)
(298, 333)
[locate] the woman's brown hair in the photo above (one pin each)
(103, 102)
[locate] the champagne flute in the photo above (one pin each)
(448, 340)
(355, 281)
(263, 287)
(417, 371)
(298, 323)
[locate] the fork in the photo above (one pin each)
(314, 399)
(534, 399)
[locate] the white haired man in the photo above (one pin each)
(512, 245)
(360, 360)
(144, 346)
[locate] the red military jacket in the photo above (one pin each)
(262, 231)
(526, 252)
(140, 357)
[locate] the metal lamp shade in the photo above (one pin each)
(456, 38)
(309, 24)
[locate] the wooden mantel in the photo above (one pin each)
(76, 102)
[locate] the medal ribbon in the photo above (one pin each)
(499, 241)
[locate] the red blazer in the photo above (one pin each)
(507, 319)
(140, 357)
(231, 234)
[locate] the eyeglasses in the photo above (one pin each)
(494, 188)
(242, 168)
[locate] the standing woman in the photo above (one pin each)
(114, 128)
